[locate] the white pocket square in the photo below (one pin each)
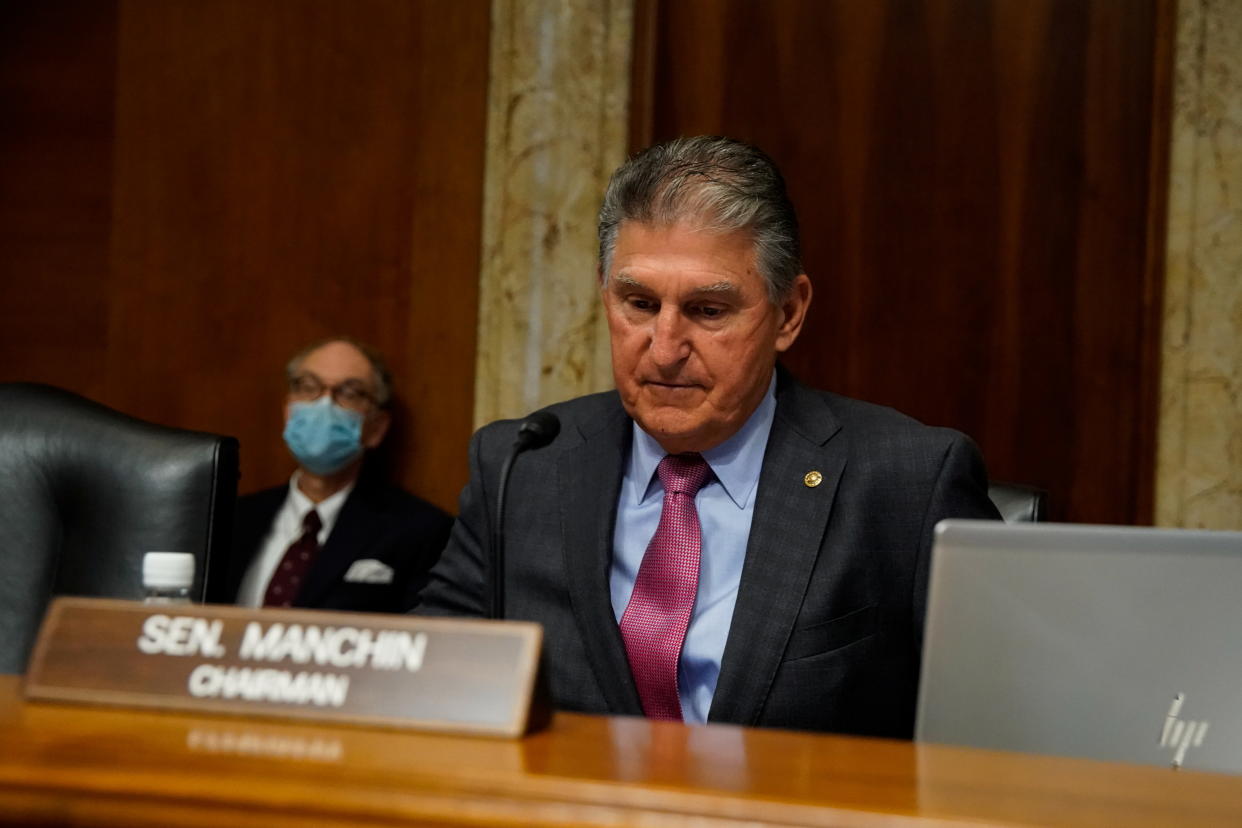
(369, 571)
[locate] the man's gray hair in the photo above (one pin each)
(717, 184)
(379, 367)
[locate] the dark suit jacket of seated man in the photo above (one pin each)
(373, 542)
(402, 534)
(819, 624)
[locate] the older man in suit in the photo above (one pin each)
(333, 537)
(713, 541)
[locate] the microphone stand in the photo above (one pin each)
(537, 430)
(498, 554)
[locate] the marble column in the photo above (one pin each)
(1199, 457)
(557, 125)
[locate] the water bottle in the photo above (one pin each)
(167, 577)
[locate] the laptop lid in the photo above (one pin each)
(1106, 642)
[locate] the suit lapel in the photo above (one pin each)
(789, 522)
(589, 483)
(350, 535)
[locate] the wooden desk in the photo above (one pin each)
(66, 765)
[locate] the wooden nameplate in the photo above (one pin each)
(458, 676)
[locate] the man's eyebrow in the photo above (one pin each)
(623, 281)
(720, 287)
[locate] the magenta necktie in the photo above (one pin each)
(292, 569)
(655, 621)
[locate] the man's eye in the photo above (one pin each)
(708, 311)
(638, 303)
(306, 385)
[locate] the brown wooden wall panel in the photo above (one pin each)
(57, 84)
(974, 183)
(284, 171)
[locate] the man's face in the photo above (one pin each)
(694, 336)
(341, 366)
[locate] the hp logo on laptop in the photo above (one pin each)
(1179, 735)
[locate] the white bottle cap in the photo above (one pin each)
(167, 570)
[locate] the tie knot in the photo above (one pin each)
(683, 473)
(311, 524)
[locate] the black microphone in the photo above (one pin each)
(536, 431)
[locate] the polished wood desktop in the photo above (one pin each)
(82, 765)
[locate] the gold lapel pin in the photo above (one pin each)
(813, 479)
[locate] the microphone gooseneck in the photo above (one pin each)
(536, 431)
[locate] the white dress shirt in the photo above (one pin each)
(286, 528)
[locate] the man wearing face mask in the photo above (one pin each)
(334, 538)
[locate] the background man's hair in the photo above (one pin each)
(379, 367)
(716, 184)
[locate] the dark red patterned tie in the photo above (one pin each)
(292, 569)
(655, 621)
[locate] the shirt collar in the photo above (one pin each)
(328, 508)
(735, 463)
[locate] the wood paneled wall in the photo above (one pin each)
(194, 190)
(189, 191)
(981, 190)
(57, 92)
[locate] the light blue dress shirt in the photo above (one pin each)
(725, 504)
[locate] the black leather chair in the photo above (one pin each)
(1018, 503)
(85, 491)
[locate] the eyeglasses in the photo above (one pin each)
(351, 393)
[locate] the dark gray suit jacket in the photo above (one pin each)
(827, 630)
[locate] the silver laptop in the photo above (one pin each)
(1105, 642)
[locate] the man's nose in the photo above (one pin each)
(670, 344)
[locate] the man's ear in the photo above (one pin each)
(374, 429)
(793, 312)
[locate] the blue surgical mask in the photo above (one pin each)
(324, 437)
